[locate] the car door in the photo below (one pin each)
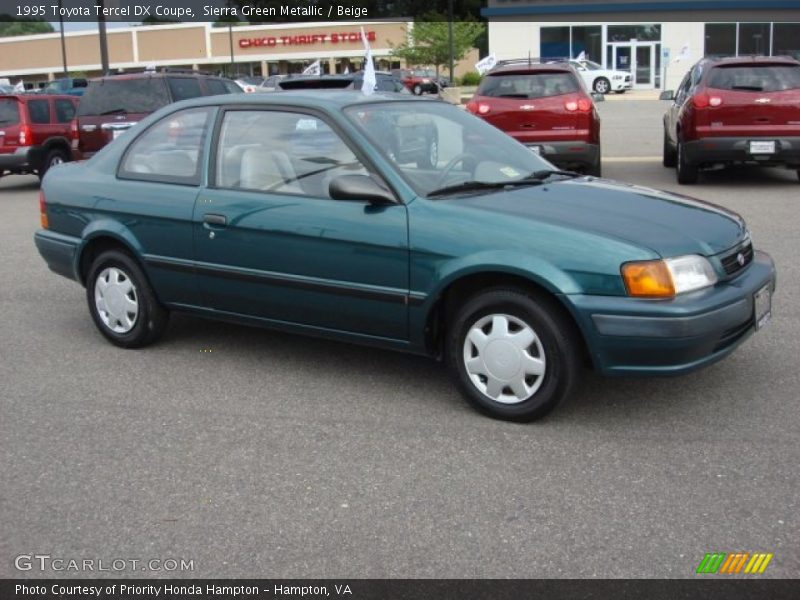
(154, 197)
(271, 243)
(673, 114)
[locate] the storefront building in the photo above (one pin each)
(656, 41)
(246, 50)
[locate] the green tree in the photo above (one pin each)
(428, 42)
(13, 26)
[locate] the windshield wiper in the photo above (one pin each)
(473, 186)
(545, 173)
(121, 111)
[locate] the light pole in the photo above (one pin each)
(63, 42)
(101, 25)
(450, 36)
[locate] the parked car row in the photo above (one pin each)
(38, 131)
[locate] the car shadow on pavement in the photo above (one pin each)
(747, 175)
(18, 183)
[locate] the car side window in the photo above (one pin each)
(171, 150)
(183, 88)
(65, 111)
(215, 87)
(683, 90)
(39, 111)
(281, 152)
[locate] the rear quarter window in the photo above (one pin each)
(528, 85)
(184, 88)
(109, 96)
(215, 87)
(748, 78)
(9, 111)
(39, 111)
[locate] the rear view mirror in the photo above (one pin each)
(598, 97)
(360, 187)
(667, 95)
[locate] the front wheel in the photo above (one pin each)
(417, 89)
(122, 303)
(602, 85)
(514, 355)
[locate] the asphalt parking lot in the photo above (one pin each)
(258, 454)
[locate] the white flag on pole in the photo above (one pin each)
(314, 69)
(346, 70)
(683, 54)
(370, 81)
(581, 56)
(486, 64)
(20, 87)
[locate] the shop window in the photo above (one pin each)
(720, 39)
(786, 39)
(754, 38)
(588, 40)
(554, 42)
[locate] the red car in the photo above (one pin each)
(34, 132)
(417, 81)
(743, 110)
(546, 106)
(113, 104)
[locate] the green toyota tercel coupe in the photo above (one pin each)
(406, 224)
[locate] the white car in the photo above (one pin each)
(602, 80)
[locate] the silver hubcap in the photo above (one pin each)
(116, 300)
(434, 153)
(56, 160)
(601, 86)
(504, 358)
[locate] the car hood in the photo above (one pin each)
(666, 223)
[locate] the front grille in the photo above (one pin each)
(733, 264)
(627, 78)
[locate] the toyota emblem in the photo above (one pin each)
(740, 259)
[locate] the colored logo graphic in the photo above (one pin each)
(733, 563)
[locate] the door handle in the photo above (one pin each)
(216, 220)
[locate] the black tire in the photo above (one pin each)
(56, 156)
(556, 335)
(417, 89)
(150, 322)
(430, 158)
(601, 85)
(798, 174)
(620, 91)
(670, 154)
(686, 172)
(596, 169)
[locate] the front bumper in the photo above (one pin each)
(714, 150)
(620, 84)
(633, 336)
(18, 161)
(58, 251)
(567, 154)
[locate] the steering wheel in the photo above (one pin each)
(448, 168)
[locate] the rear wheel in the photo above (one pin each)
(430, 155)
(596, 169)
(514, 355)
(670, 154)
(686, 172)
(602, 85)
(417, 89)
(798, 174)
(54, 158)
(122, 303)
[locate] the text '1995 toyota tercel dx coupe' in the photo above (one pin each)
(407, 224)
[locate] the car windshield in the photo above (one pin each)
(749, 78)
(528, 85)
(437, 147)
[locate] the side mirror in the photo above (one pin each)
(667, 95)
(598, 97)
(360, 187)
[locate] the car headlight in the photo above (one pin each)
(668, 277)
(617, 77)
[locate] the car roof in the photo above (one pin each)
(155, 74)
(748, 60)
(308, 98)
(531, 65)
(36, 96)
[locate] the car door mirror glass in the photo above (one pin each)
(360, 187)
(667, 95)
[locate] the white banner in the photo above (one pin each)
(314, 69)
(370, 81)
(486, 64)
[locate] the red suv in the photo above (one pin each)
(743, 110)
(417, 81)
(115, 103)
(545, 106)
(34, 132)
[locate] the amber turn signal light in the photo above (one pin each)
(648, 279)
